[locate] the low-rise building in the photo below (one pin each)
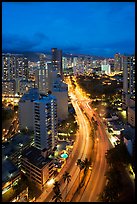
(37, 166)
(10, 174)
(128, 135)
(13, 149)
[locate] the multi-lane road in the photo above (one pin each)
(97, 178)
(82, 149)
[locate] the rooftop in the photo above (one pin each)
(15, 144)
(8, 170)
(34, 156)
(32, 94)
(47, 98)
(129, 133)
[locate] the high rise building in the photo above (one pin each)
(57, 61)
(117, 62)
(42, 75)
(8, 66)
(64, 64)
(105, 67)
(22, 68)
(45, 122)
(38, 112)
(8, 87)
(60, 90)
(42, 61)
(26, 109)
(128, 79)
(24, 86)
(111, 63)
(14, 68)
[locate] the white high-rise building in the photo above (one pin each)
(42, 75)
(105, 67)
(26, 109)
(45, 122)
(64, 63)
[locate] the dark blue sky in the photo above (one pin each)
(98, 28)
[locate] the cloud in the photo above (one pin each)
(23, 43)
(41, 36)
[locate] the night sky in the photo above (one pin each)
(96, 28)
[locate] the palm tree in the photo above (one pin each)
(81, 166)
(56, 187)
(66, 177)
(57, 194)
(86, 164)
(57, 197)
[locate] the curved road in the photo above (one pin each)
(82, 149)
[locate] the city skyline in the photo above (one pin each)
(96, 28)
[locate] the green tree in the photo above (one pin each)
(66, 177)
(109, 194)
(118, 155)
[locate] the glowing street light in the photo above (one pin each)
(50, 182)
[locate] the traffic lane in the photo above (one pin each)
(100, 179)
(97, 178)
(49, 197)
(102, 154)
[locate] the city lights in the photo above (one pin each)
(68, 102)
(51, 182)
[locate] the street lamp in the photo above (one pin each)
(11, 179)
(97, 139)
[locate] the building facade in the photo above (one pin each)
(36, 167)
(45, 122)
(131, 116)
(57, 61)
(14, 67)
(128, 79)
(117, 62)
(8, 66)
(26, 109)
(60, 90)
(105, 67)
(8, 87)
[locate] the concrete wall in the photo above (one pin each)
(26, 115)
(62, 104)
(131, 116)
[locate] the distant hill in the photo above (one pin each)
(35, 56)
(32, 56)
